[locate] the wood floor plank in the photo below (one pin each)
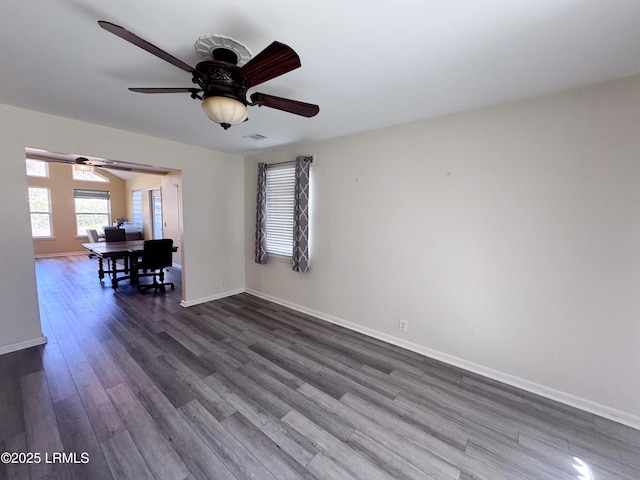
(124, 459)
(294, 399)
(448, 422)
(349, 370)
(367, 355)
(604, 462)
(163, 376)
(248, 388)
(326, 469)
(208, 328)
(420, 437)
(130, 370)
(278, 462)
(425, 459)
(203, 463)
(69, 345)
(101, 362)
(218, 354)
(294, 444)
(383, 458)
(42, 434)
(276, 371)
(231, 327)
(61, 384)
(236, 457)
(200, 390)
(188, 336)
(103, 416)
(79, 438)
(185, 356)
(162, 459)
(29, 360)
(514, 463)
(293, 361)
(41, 427)
(14, 471)
(561, 459)
(306, 371)
(449, 398)
(354, 463)
(11, 407)
(627, 436)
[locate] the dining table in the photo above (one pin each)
(125, 254)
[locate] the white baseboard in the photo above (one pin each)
(210, 298)
(63, 254)
(542, 390)
(14, 347)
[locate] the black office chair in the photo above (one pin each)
(156, 256)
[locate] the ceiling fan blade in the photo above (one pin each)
(149, 47)
(285, 104)
(114, 167)
(166, 90)
(275, 60)
(44, 158)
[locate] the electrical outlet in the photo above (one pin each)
(222, 283)
(403, 325)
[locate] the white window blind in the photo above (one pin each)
(92, 209)
(280, 189)
(136, 207)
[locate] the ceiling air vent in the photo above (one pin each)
(255, 137)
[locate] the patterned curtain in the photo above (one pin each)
(301, 215)
(261, 215)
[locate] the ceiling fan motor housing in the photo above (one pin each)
(221, 79)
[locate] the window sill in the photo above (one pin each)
(278, 257)
(43, 238)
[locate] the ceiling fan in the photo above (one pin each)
(221, 83)
(83, 164)
(92, 162)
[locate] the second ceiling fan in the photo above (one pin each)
(221, 83)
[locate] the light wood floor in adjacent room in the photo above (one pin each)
(241, 388)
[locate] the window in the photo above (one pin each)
(40, 208)
(88, 176)
(37, 168)
(280, 190)
(282, 212)
(92, 209)
(136, 208)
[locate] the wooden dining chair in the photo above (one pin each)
(115, 234)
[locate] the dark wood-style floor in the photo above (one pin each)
(241, 388)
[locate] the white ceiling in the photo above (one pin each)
(367, 64)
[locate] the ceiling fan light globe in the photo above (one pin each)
(225, 111)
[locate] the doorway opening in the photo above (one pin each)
(144, 200)
(155, 204)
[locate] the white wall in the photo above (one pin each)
(508, 237)
(212, 201)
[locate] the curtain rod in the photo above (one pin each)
(289, 161)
